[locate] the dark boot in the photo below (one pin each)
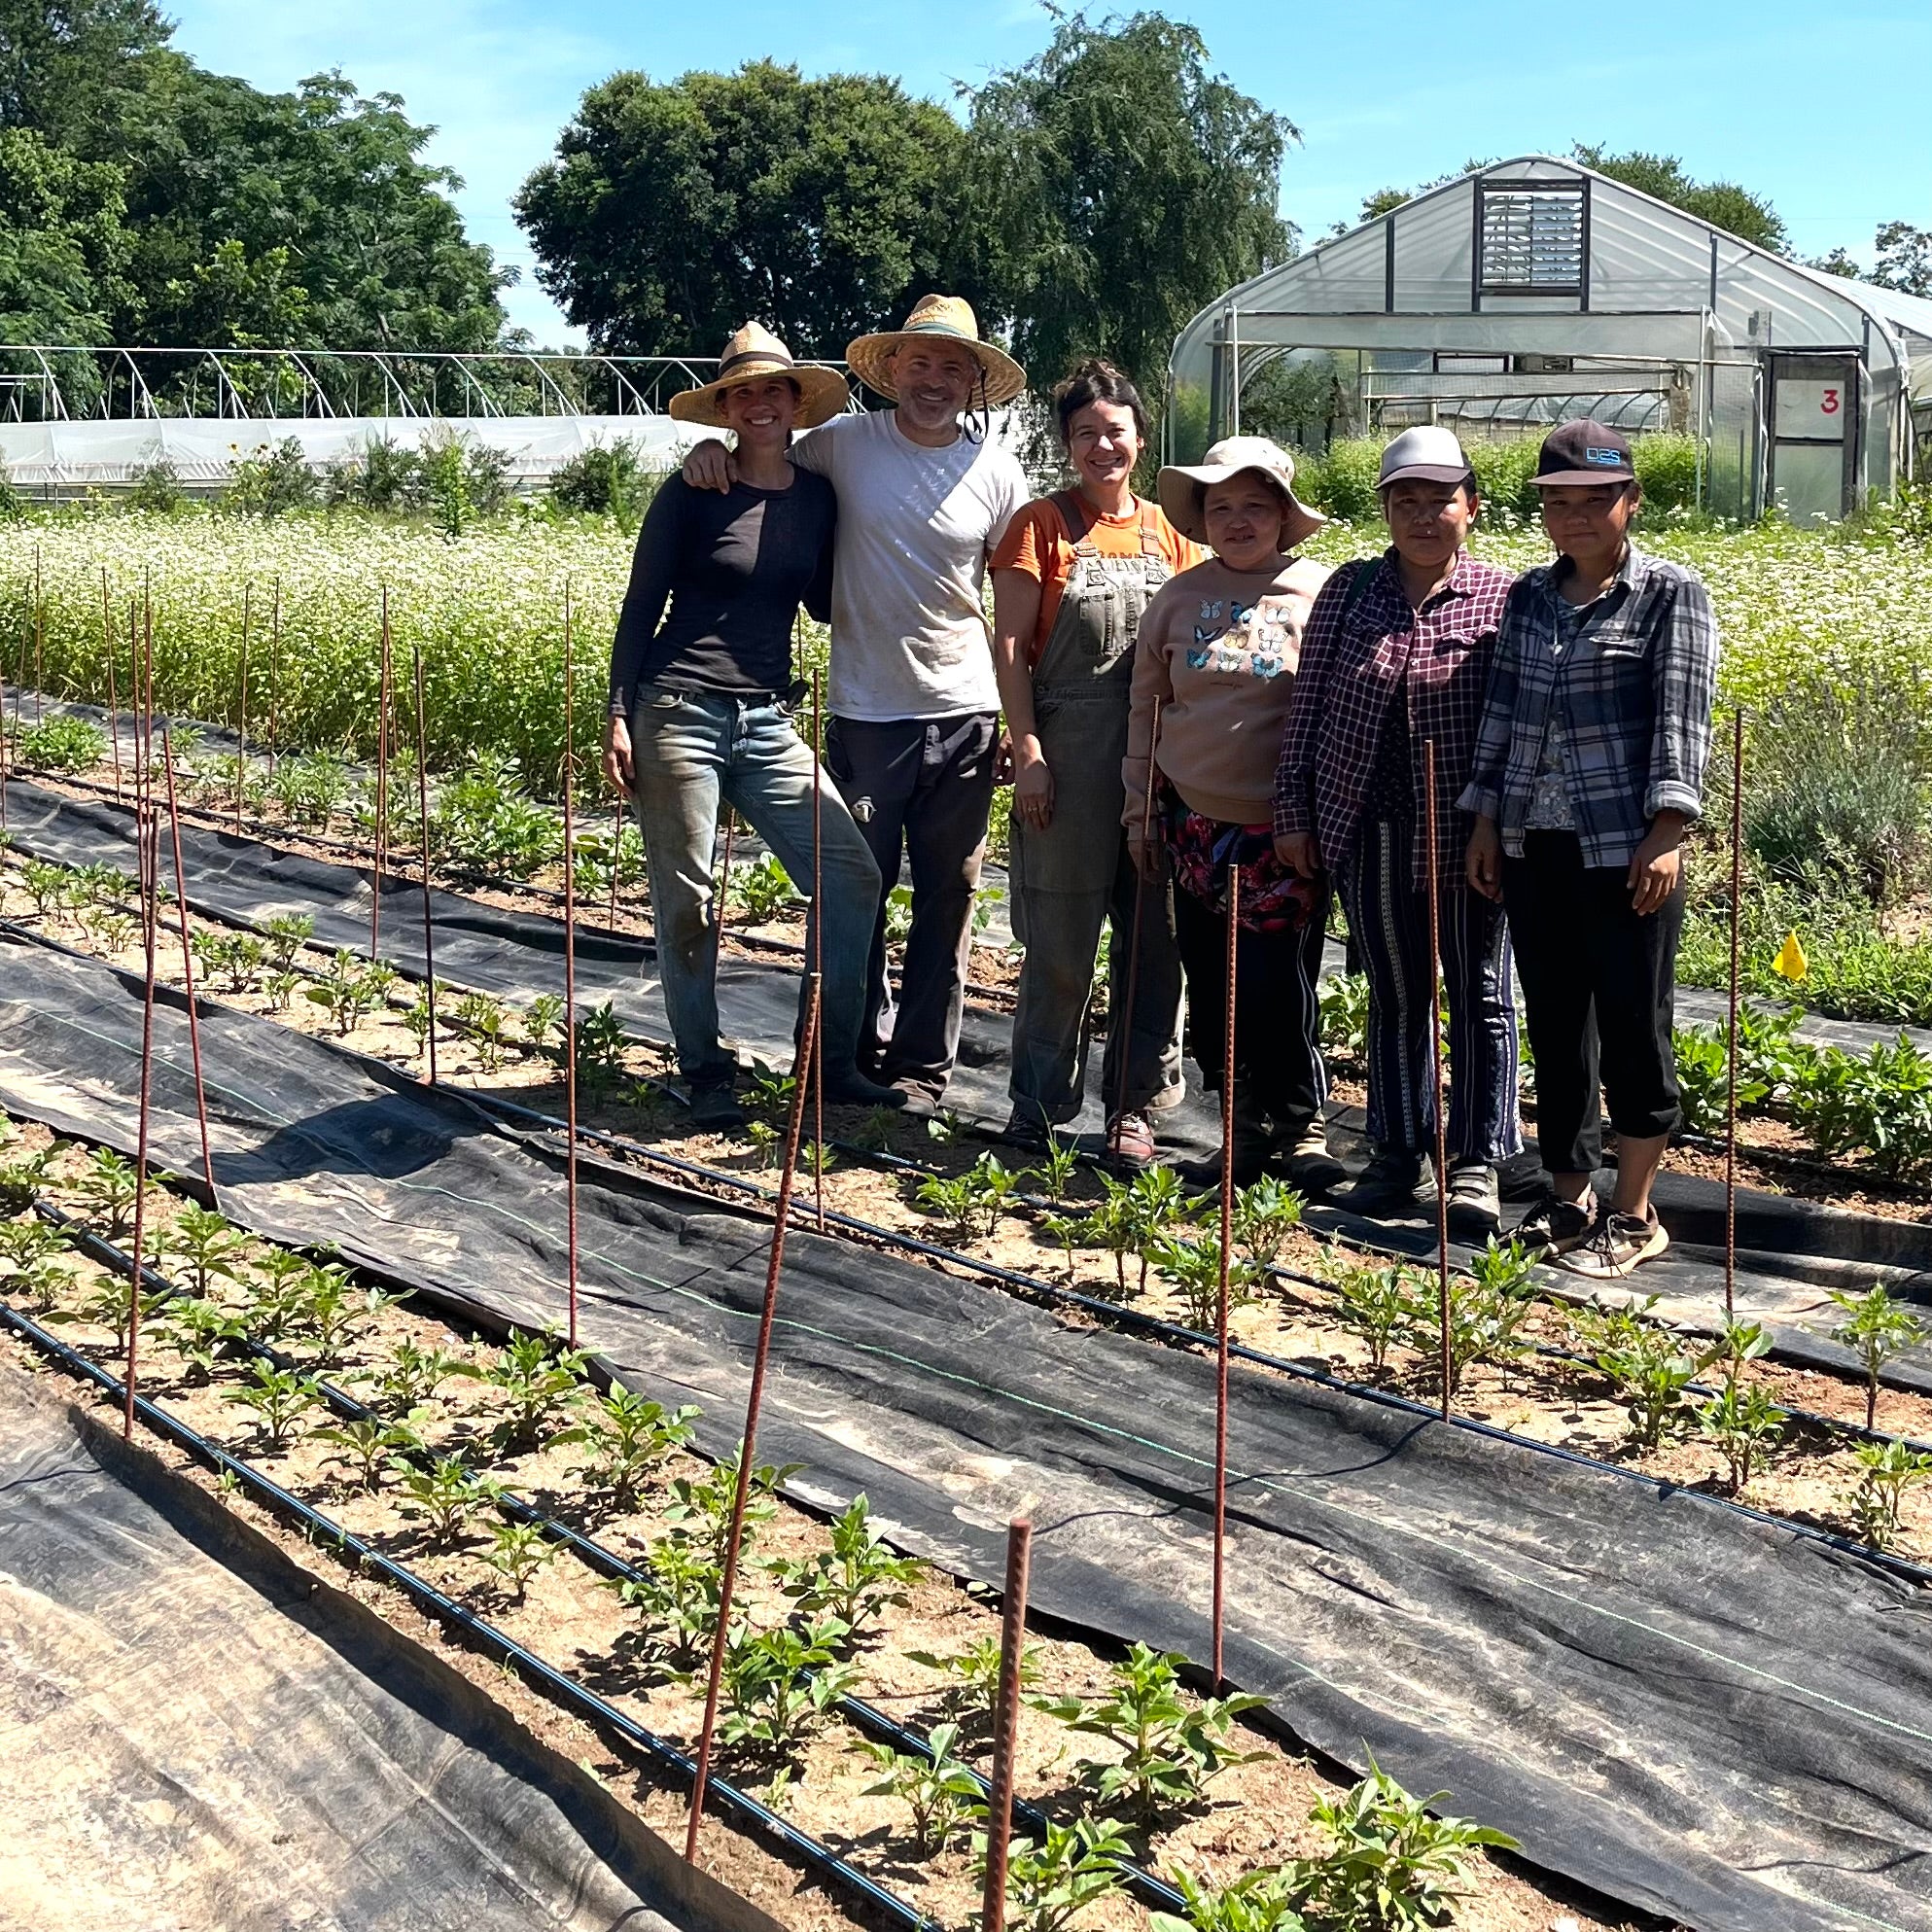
(1301, 1156)
(1253, 1144)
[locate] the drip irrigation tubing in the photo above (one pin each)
(1175, 1334)
(596, 1556)
(557, 1685)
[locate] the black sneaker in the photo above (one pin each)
(1616, 1245)
(1027, 1131)
(715, 1108)
(1392, 1182)
(1554, 1225)
(848, 1087)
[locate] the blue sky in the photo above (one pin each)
(1824, 115)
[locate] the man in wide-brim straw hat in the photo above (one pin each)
(702, 699)
(922, 501)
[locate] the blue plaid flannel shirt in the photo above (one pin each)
(1633, 694)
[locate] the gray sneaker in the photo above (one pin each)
(1475, 1204)
(1616, 1245)
(1396, 1180)
(1554, 1225)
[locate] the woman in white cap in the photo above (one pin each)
(702, 694)
(1071, 579)
(1218, 649)
(1397, 657)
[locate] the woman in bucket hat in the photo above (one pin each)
(1398, 654)
(1589, 767)
(702, 691)
(1218, 649)
(1071, 579)
(915, 709)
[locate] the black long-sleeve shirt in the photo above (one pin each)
(733, 567)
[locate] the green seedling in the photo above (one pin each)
(285, 936)
(1486, 1316)
(942, 1793)
(23, 1243)
(1156, 1204)
(974, 1674)
(202, 1245)
(337, 1313)
(1265, 1215)
(232, 961)
(486, 1022)
(1375, 1303)
(1258, 1901)
(1703, 1080)
(1169, 1748)
(1876, 1329)
(279, 1398)
(676, 1595)
(413, 1375)
(704, 1502)
(63, 745)
(764, 1138)
(1887, 1470)
(349, 991)
(1344, 1010)
(107, 1188)
(1056, 1171)
(1649, 1369)
(944, 1125)
(600, 1046)
(49, 887)
(544, 1020)
(628, 1437)
(518, 1552)
(21, 1182)
(203, 1334)
(44, 1281)
(1069, 1230)
(777, 1683)
(1193, 1270)
(109, 1305)
(1114, 1227)
(854, 1580)
(366, 1443)
(1050, 1882)
(769, 1092)
(280, 988)
(1737, 1342)
(445, 1494)
(538, 1375)
(278, 1303)
(1745, 1424)
(764, 890)
(954, 1202)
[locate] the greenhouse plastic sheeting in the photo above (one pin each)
(193, 1735)
(1699, 1713)
(1792, 1256)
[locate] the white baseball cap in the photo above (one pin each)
(1426, 452)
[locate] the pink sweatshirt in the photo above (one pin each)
(1220, 649)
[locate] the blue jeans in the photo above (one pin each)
(691, 752)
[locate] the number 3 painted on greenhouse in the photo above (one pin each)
(1829, 407)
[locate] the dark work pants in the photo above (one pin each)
(918, 790)
(1277, 1021)
(1598, 993)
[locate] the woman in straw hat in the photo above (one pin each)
(702, 694)
(1218, 649)
(922, 501)
(1071, 579)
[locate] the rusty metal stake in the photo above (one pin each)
(569, 967)
(1731, 1059)
(241, 726)
(1435, 1064)
(423, 817)
(1005, 1723)
(188, 961)
(39, 641)
(748, 1444)
(1221, 1294)
(113, 699)
(817, 1069)
(275, 672)
(382, 703)
(150, 866)
(1120, 1027)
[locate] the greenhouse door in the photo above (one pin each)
(1814, 435)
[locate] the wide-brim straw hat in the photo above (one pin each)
(1183, 486)
(943, 318)
(751, 355)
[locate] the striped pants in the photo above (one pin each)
(1388, 918)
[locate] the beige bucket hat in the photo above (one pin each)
(755, 352)
(1182, 485)
(945, 316)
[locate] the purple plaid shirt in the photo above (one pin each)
(1364, 649)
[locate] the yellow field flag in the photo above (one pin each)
(1791, 962)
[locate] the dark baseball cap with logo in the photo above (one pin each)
(1582, 453)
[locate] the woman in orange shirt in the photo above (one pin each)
(1071, 577)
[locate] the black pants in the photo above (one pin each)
(918, 790)
(1598, 993)
(1278, 1022)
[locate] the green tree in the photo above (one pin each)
(70, 71)
(1722, 203)
(1905, 258)
(1118, 185)
(673, 212)
(61, 243)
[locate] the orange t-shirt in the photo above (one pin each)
(1037, 542)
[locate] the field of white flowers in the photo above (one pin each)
(487, 611)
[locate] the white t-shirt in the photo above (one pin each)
(914, 528)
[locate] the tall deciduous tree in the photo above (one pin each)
(62, 244)
(673, 212)
(1723, 204)
(1118, 187)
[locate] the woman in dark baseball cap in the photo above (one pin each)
(1589, 767)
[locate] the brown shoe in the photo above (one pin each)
(1130, 1140)
(1616, 1245)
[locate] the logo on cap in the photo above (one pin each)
(1594, 455)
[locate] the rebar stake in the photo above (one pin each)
(241, 723)
(1120, 1026)
(382, 704)
(187, 964)
(569, 971)
(423, 817)
(748, 1444)
(39, 642)
(1731, 1056)
(818, 1067)
(113, 699)
(1005, 1723)
(274, 671)
(151, 867)
(1221, 1291)
(1435, 1068)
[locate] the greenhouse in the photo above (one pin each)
(1538, 288)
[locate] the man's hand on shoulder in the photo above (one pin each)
(710, 466)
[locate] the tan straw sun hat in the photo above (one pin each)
(752, 353)
(944, 318)
(1184, 485)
